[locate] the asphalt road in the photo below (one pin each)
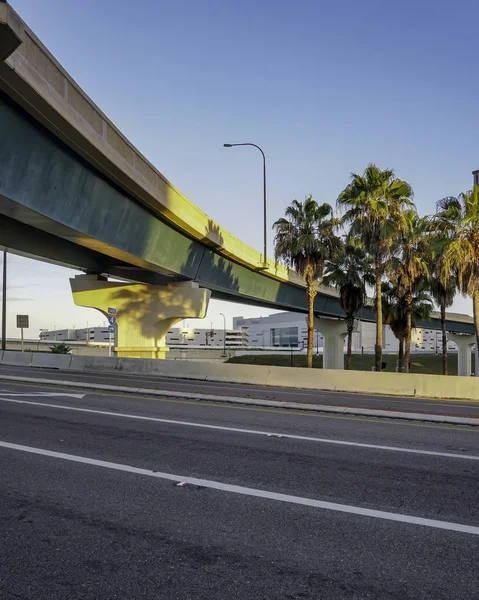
(393, 403)
(360, 509)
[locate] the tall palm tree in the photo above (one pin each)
(350, 271)
(443, 295)
(443, 281)
(374, 202)
(304, 240)
(409, 266)
(459, 218)
(396, 315)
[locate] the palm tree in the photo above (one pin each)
(304, 240)
(443, 295)
(350, 271)
(395, 314)
(459, 219)
(443, 282)
(373, 203)
(409, 265)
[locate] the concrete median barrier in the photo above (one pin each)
(17, 359)
(46, 360)
(252, 374)
(142, 365)
(94, 363)
(363, 382)
(438, 386)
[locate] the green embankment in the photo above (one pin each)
(420, 363)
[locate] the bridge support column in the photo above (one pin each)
(145, 313)
(333, 331)
(464, 349)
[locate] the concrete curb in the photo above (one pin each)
(343, 410)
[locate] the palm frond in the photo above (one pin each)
(305, 238)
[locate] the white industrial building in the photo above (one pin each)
(94, 335)
(176, 337)
(280, 330)
(287, 329)
(202, 338)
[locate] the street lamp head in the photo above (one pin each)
(228, 145)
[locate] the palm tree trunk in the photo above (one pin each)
(378, 349)
(350, 326)
(476, 325)
(401, 355)
(444, 340)
(407, 349)
(311, 293)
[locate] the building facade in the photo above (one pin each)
(280, 330)
(176, 337)
(287, 329)
(94, 335)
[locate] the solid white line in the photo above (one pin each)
(236, 489)
(246, 431)
(43, 394)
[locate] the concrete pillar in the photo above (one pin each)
(333, 331)
(464, 349)
(145, 313)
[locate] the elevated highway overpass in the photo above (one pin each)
(75, 192)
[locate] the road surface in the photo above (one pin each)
(415, 405)
(283, 505)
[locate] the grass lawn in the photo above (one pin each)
(420, 363)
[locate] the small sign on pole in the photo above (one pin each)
(22, 323)
(111, 328)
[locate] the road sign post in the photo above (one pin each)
(22, 323)
(111, 326)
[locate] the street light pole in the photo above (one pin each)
(4, 302)
(224, 334)
(264, 196)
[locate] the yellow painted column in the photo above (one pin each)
(145, 313)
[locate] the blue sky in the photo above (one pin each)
(324, 87)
